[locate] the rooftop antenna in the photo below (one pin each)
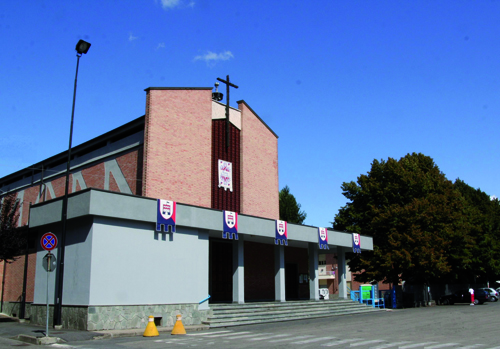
(217, 96)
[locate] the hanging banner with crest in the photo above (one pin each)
(165, 215)
(230, 225)
(225, 175)
(356, 243)
(323, 238)
(281, 233)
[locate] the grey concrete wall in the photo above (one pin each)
(77, 264)
(132, 264)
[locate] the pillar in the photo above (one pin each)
(313, 272)
(342, 273)
(279, 273)
(238, 271)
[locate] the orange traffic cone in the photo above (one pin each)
(151, 330)
(178, 327)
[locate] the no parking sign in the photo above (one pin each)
(49, 241)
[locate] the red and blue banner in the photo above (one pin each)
(165, 215)
(281, 233)
(230, 225)
(356, 243)
(323, 238)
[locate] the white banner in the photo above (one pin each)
(225, 175)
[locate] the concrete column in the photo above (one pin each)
(342, 273)
(279, 273)
(238, 271)
(313, 272)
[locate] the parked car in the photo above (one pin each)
(492, 292)
(463, 296)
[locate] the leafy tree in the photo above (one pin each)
(290, 208)
(414, 215)
(12, 241)
(484, 215)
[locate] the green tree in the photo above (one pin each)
(484, 216)
(290, 208)
(414, 215)
(12, 240)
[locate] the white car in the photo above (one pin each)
(494, 294)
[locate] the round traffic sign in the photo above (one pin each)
(49, 241)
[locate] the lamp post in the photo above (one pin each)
(82, 47)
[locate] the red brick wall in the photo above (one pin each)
(259, 173)
(94, 176)
(14, 273)
(177, 145)
(224, 199)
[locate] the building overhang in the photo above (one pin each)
(96, 202)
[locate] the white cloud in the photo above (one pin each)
(166, 4)
(160, 45)
(131, 37)
(211, 57)
(493, 197)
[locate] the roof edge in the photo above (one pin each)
(258, 117)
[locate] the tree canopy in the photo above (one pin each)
(12, 240)
(423, 228)
(290, 208)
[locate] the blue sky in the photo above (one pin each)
(341, 82)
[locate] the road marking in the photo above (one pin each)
(268, 337)
(237, 336)
(415, 345)
(207, 334)
(289, 339)
(390, 345)
(367, 342)
(227, 334)
(441, 346)
(474, 346)
(313, 340)
(344, 341)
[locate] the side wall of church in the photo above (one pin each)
(113, 167)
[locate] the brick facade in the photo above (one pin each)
(177, 145)
(259, 170)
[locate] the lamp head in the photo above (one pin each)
(82, 47)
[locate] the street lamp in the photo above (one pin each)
(82, 47)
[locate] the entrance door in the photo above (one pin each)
(221, 273)
(291, 281)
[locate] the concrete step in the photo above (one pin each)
(226, 315)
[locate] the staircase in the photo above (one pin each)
(225, 315)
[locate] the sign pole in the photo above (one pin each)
(48, 273)
(48, 242)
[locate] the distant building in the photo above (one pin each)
(118, 267)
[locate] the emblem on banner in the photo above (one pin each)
(230, 225)
(356, 243)
(281, 233)
(165, 215)
(323, 238)
(225, 175)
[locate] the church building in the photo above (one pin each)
(169, 213)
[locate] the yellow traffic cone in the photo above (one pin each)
(151, 330)
(178, 327)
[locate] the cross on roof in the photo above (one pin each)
(228, 84)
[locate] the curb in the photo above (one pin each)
(38, 340)
(140, 331)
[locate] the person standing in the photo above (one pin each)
(471, 291)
